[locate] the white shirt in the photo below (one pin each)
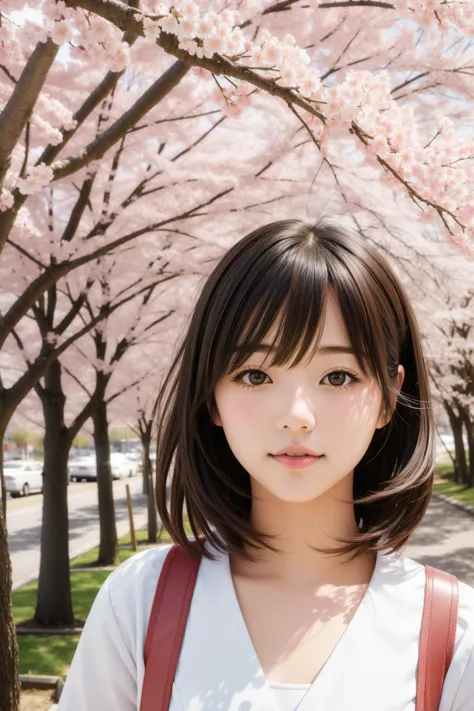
(373, 667)
(289, 696)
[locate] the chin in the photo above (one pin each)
(294, 494)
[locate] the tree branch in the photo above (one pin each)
(124, 18)
(22, 100)
(106, 86)
(358, 3)
(78, 209)
(26, 254)
(77, 381)
(104, 141)
(9, 75)
(56, 271)
(21, 347)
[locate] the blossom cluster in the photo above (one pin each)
(362, 103)
(435, 170)
(444, 14)
(38, 177)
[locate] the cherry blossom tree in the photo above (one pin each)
(449, 328)
(433, 169)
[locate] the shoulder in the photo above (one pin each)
(130, 590)
(416, 572)
(409, 577)
(135, 580)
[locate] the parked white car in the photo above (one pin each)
(82, 469)
(122, 466)
(23, 477)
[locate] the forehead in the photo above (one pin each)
(286, 341)
(331, 330)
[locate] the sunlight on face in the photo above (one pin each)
(326, 405)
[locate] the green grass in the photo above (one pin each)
(40, 654)
(447, 486)
(90, 557)
(444, 468)
(84, 588)
(141, 535)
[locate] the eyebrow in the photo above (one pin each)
(323, 350)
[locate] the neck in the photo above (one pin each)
(295, 529)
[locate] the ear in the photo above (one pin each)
(214, 412)
(384, 419)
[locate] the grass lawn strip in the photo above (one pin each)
(52, 655)
(89, 558)
(445, 485)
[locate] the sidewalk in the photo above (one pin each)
(445, 539)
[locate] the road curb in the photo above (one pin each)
(47, 631)
(467, 508)
(40, 681)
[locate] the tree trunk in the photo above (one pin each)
(54, 602)
(108, 528)
(148, 474)
(9, 679)
(460, 463)
(145, 473)
(469, 425)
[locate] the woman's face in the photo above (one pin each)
(326, 405)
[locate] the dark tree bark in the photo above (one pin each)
(144, 430)
(460, 463)
(148, 474)
(108, 528)
(54, 602)
(9, 679)
(469, 427)
(470, 441)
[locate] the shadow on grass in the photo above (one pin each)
(84, 588)
(89, 558)
(447, 486)
(46, 655)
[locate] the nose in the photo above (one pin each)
(297, 415)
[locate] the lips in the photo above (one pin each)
(299, 462)
(293, 449)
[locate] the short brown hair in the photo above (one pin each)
(284, 269)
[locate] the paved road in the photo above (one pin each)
(445, 539)
(24, 523)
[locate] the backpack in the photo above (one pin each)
(170, 610)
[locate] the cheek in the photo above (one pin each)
(357, 412)
(234, 409)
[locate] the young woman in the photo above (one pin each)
(296, 435)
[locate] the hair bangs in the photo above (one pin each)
(291, 305)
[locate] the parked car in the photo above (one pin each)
(23, 477)
(82, 469)
(122, 465)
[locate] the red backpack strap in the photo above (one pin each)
(166, 626)
(437, 637)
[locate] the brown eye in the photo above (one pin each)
(255, 377)
(337, 379)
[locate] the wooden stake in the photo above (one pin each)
(130, 517)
